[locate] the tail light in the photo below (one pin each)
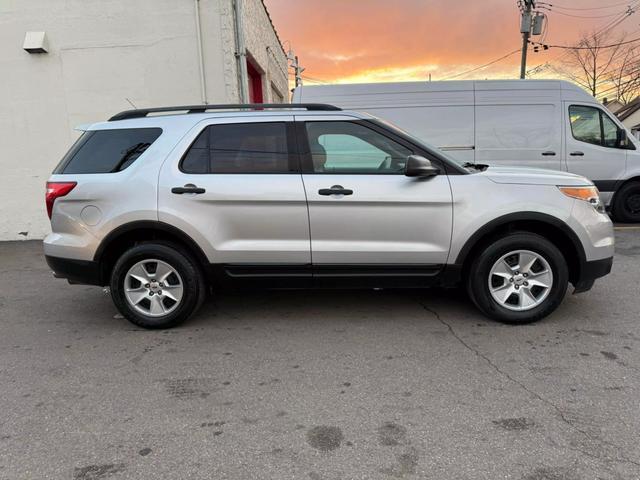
(56, 190)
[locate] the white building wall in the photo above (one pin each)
(103, 54)
(267, 54)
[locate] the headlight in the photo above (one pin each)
(587, 194)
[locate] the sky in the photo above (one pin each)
(341, 41)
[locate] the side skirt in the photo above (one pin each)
(278, 276)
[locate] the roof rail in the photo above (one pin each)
(143, 112)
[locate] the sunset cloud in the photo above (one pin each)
(405, 40)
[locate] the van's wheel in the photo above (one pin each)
(626, 203)
(155, 286)
(519, 278)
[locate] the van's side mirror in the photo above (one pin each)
(418, 166)
(622, 141)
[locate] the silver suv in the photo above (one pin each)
(165, 205)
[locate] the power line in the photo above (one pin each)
(311, 79)
(604, 30)
(621, 84)
(584, 8)
(568, 47)
(608, 15)
(482, 66)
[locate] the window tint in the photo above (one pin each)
(196, 160)
(107, 151)
(585, 124)
(239, 148)
(347, 147)
(610, 131)
(592, 125)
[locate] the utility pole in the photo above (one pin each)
(525, 29)
(297, 69)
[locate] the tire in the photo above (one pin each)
(626, 203)
(522, 301)
(147, 305)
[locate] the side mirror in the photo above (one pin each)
(621, 138)
(418, 166)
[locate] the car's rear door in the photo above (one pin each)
(369, 220)
(234, 185)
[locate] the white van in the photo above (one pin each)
(549, 124)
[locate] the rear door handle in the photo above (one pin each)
(189, 188)
(335, 190)
(549, 154)
(577, 154)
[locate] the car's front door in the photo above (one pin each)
(237, 190)
(367, 218)
(592, 149)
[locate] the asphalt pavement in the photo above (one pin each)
(318, 385)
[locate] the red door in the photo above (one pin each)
(255, 84)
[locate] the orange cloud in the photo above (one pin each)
(382, 40)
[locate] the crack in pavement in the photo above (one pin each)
(621, 459)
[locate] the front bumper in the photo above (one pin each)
(590, 271)
(76, 271)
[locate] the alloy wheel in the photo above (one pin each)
(520, 280)
(153, 287)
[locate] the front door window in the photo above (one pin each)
(592, 125)
(347, 147)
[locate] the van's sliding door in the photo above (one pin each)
(519, 135)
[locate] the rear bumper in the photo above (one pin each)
(590, 271)
(75, 271)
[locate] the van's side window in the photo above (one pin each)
(592, 125)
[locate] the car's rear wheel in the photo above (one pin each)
(155, 286)
(626, 204)
(519, 278)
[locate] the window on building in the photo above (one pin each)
(240, 148)
(107, 151)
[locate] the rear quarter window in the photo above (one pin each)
(107, 151)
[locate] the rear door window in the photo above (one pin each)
(107, 151)
(240, 148)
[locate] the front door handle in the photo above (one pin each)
(577, 154)
(549, 154)
(188, 188)
(335, 190)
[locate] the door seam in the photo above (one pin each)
(296, 129)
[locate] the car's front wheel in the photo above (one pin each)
(155, 286)
(519, 278)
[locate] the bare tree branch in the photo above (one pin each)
(598, 67)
